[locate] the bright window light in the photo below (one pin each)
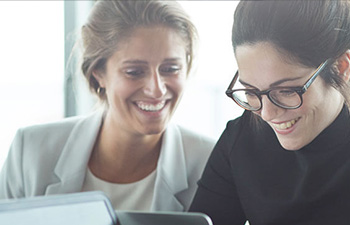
(32, 56)
(32, 66)
(205, 107)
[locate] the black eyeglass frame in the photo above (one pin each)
(300, 90)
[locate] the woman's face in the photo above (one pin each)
(261, 66)
(144, 80)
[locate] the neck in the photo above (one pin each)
(122, 157)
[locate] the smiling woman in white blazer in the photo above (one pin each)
(52, 159)
(136, 58)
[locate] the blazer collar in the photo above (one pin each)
(171, 172)
(171, 169)
(72, 163)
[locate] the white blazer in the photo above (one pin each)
(52, 159)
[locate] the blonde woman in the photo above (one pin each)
(137, 57)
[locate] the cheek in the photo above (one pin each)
(120, 90)
(177, 84)
(315, 99)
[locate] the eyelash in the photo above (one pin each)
(134, 72)
(171, 69)
(164, 70)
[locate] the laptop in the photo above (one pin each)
(162, 218)
(86, 208)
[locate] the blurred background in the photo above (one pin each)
(38, 85)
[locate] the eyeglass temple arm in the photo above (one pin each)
(313, 77)
(232, 82)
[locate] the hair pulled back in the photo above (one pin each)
(307, 31)
(111, 21)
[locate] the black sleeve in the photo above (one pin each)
(216, 195)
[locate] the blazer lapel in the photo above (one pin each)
(71, 166)
(171, 172)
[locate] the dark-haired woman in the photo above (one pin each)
(286, 160)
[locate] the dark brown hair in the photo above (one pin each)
(309, 31)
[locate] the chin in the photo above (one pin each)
(291, 145)
(291, 148)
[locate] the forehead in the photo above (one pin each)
(262, 63)
(152, 37)
(150, 45)
(264, 55)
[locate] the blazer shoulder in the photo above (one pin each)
(65, 124)
(197, 148)
(196, 140)
(60, 128)
(52, 136)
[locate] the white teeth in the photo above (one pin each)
(284, 126)
(150, 107)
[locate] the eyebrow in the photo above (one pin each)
(137, 61)
(172, 59)
(274, 84)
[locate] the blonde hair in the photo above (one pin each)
(111, 21)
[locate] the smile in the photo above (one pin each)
(285, 125)
(150, 107)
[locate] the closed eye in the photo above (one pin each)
(249, 93)
(286, 92)
(134, 72)
(170, 69)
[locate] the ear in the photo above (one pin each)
(99, 77)
(343, 66)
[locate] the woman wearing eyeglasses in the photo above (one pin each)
(286, 160)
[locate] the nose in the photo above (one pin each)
(155, 86)
(269, 110)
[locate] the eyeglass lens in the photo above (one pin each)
(287, 98)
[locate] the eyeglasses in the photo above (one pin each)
(284, 97)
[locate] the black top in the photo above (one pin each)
(249, 176)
